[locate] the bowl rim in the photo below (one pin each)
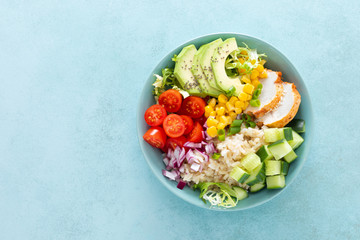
(309, 131)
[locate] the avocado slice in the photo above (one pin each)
(183, 72)
(218, 65)
(200, 76)
(205, 62)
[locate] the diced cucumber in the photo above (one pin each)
(297, 140)
(291, 156)
(239, 174)
(284, 168)
(250, 161)
(297, 125)
(279, 149)
(264, 153)
(256, 176)
(286, 133)
(272, 168)
(272, 135)
(257, 187)
(240, 193)
(274, 182)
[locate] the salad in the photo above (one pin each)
(224, 122)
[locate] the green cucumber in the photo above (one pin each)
(240, 193)
(272, 168)
(274, 182)
(291, 156)
(284, 168)
(286, 133)
(297, 125)
(297, 140)
(272, 135)
(279, 149)
(250, 161)
(239, 174)
(256, 176)
(264, 153)
(257, 187)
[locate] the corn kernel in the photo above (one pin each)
(208, 109)
(206, 115)
(243, 96)
(249, 97)
(242, 70)
(229, 120)
(248, 88)
(245, 79)
(263, 74)
(262, 62)
(212, 114)
(212, 131)
(223, 119)
(253, 61)
(211, 122)
(241, 60)
(233, 99)
(246, 105)
(254, 74)
(221, 105)
(229, 106)
(238, 110)
(233, 115)
(220, 111)
(243, 52)
(239, 104)
(212, 102)
(260, 68)
(255, 82)
(222, 98)
(220, 125)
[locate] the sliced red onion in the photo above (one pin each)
(181, 185)
(206, 136)
(170, 153)
(210, 149)
(204, 155)
(171, 175)
(195, 167)
(182, 169)
(192, 145)
(177, 152)
(166, 161)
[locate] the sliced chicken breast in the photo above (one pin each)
(270, 95)
(286, 110)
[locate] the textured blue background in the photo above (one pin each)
(70, 163)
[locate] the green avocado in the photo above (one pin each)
(182, 71)
(200, 76)
(218, 65)
(205, 62)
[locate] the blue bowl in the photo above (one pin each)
(275, 61)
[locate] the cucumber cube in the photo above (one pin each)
(297, 140)
(272, 135)
(257, 187)
(264, 153)
(250, 161)
(291, 156)
(275, 182)
(256, 176)
(280, 149)
(284, 168)
(240, 193)
(286, 133)
(272, 168)
(239, 174)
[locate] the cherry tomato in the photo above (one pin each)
(189, 123)
(171, 100)
(193, 107)
(174, 142)
(201, 120)
(156, 137)
(155, 115)
(196, 134)
(174, 125)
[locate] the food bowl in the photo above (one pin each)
(275, 61)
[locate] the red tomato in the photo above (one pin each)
(174, 142)
(193, 107)
(189, 123)
(155, 115)
(156, 137)
(174, 125)
(201, 120)
(170, 100)
(196, 134)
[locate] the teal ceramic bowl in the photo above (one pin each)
(275, 61)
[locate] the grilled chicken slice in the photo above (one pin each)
(270, 95)
(286, 110)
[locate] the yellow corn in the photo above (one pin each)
(239, 104)
(263, 74)
(206, 115)
(255, 82)
(223, 119)
(245, 79)
(233, 99)
(208, 109)
(254, 74)
(212, 102)
(222, 98)
(242, 70)
(211, 122)
(249, 97)
(229, 106)
(233, 115)
(241, 60)
(212, 114)
(253, 61)
(260, 68)
(246, 105)
(229, 120)
(243, 52)
(220, 125)
(262, 62)
(221, 105)
(212, 131)
(238, 110)
(220, 111)
(248, 88)
(243, 96)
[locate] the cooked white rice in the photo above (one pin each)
(232, 150)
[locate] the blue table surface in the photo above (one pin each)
(71, 74)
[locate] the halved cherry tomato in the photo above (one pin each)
(174, 125)
(156, 137)
(174, 142)
(193, 107)
(196, 134)
(171, 100)
(189, 123)
(155, 115)
(201, 120)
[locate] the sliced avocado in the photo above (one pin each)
(218, 65)
(183, 72)
(200, 76)
(205, 62)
